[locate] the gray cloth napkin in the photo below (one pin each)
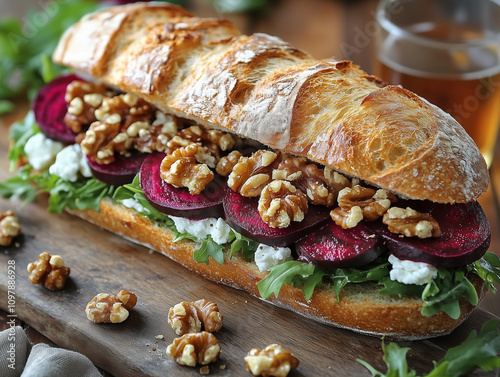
(40, 360)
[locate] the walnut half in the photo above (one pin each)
(181, 169)
(271, 361)
(194, 348)
(9, 227)
(49, 271)
(281, 203)
(109, 308)
(190, 317)
(411, 223)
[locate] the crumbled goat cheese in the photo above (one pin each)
(69, 163)
(270, 256)
(218, 229)
(134, 204)
(409, 272)
(41, 151)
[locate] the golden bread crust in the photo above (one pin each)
(261, 87)
(361, 307)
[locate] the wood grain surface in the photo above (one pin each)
(103, 262)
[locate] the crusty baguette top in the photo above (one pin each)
(261, 87)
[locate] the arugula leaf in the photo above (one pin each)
(281, 274)
(400, 289)
(444, 292)
(476, 351)
(83, 194)
(20, 187)
(209, 248)
(310, 282)
(372, 272)
(245, 245)
(20, 132)
(75, 195)
(488, 269)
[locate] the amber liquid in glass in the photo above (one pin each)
(472, 99)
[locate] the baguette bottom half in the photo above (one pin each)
(360, 308)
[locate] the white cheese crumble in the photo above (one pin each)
(409, 272)
(134, 204)
(41, 151)
(218, 229)
(270, 256)
(69, 163)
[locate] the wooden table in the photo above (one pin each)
(103, 262)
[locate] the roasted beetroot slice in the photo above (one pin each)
(465, 235)
(335, 247)
(50, 108)
(178, 201)
(243, 216)
(119, 172)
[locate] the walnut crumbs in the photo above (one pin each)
(49, 271)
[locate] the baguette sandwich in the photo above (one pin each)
(308, 183)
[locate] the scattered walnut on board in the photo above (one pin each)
(191, 317)
(194, 348)
(271, 361)
(109, 308)
(9, 227)
(49, 271)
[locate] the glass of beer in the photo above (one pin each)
(447, 51)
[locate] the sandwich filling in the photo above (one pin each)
(304, 223)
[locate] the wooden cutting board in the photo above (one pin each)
(103, 262)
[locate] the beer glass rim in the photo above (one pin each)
(389, 26)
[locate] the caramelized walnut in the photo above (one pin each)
(358, 203)
(226, 164)
(271, 361)
(251, 174)
(189, 317)
(194, 348)
(181, 169)
(83, 99)
(48, 271)
(9, 227)
(411, 223)
(320, 185)
(108, 308)
(281, 203)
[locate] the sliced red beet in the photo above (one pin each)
(119, 172)
(50, 108)
(243, 216)
(335, 247)
(465, 235)
(178, 201)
